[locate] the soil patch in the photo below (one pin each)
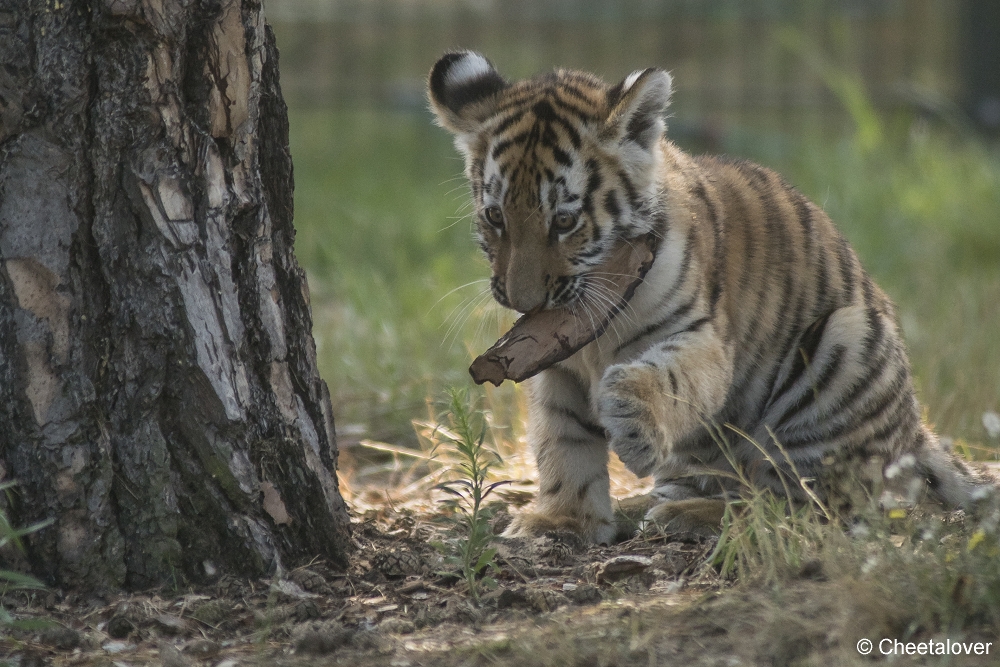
(647, 601)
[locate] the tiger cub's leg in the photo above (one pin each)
(651, 402)
(844, 393)
(571, 450)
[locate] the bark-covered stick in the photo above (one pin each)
(538, 340)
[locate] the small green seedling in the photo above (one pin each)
(467, 434)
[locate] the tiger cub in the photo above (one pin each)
(756, 313)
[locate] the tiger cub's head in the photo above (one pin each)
(561, 166)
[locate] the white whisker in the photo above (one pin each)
(452, 291)
(603, 301)
(460, 315)
(613, 301)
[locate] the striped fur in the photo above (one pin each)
(756, 313)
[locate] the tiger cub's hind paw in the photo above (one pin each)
(699, 516)
(630, 515)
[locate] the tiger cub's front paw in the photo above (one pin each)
(591, 529)
(626, 400)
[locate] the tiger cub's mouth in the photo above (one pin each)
(562, 292)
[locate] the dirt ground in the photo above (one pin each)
(647, 601)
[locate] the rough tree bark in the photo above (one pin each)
(159, 395)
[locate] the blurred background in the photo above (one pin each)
(885, 112)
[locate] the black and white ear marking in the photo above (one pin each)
(460, 86)
(636, 107)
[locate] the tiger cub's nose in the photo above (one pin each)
(525, 292)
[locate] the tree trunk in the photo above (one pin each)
(159, 395)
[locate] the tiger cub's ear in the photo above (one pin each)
(636, 106)
(462, 88)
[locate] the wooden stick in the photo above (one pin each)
(538, 340)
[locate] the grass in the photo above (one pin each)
(908, 573)
(10, 580)
(767, 537)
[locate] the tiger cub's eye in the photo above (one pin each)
(494, 216)
(564, 222)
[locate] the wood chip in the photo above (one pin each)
(538, 340)
(171, 624)
(202, 649)
(622, 566)
(412, 586)
(118, 647)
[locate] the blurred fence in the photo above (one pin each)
(736, 63)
